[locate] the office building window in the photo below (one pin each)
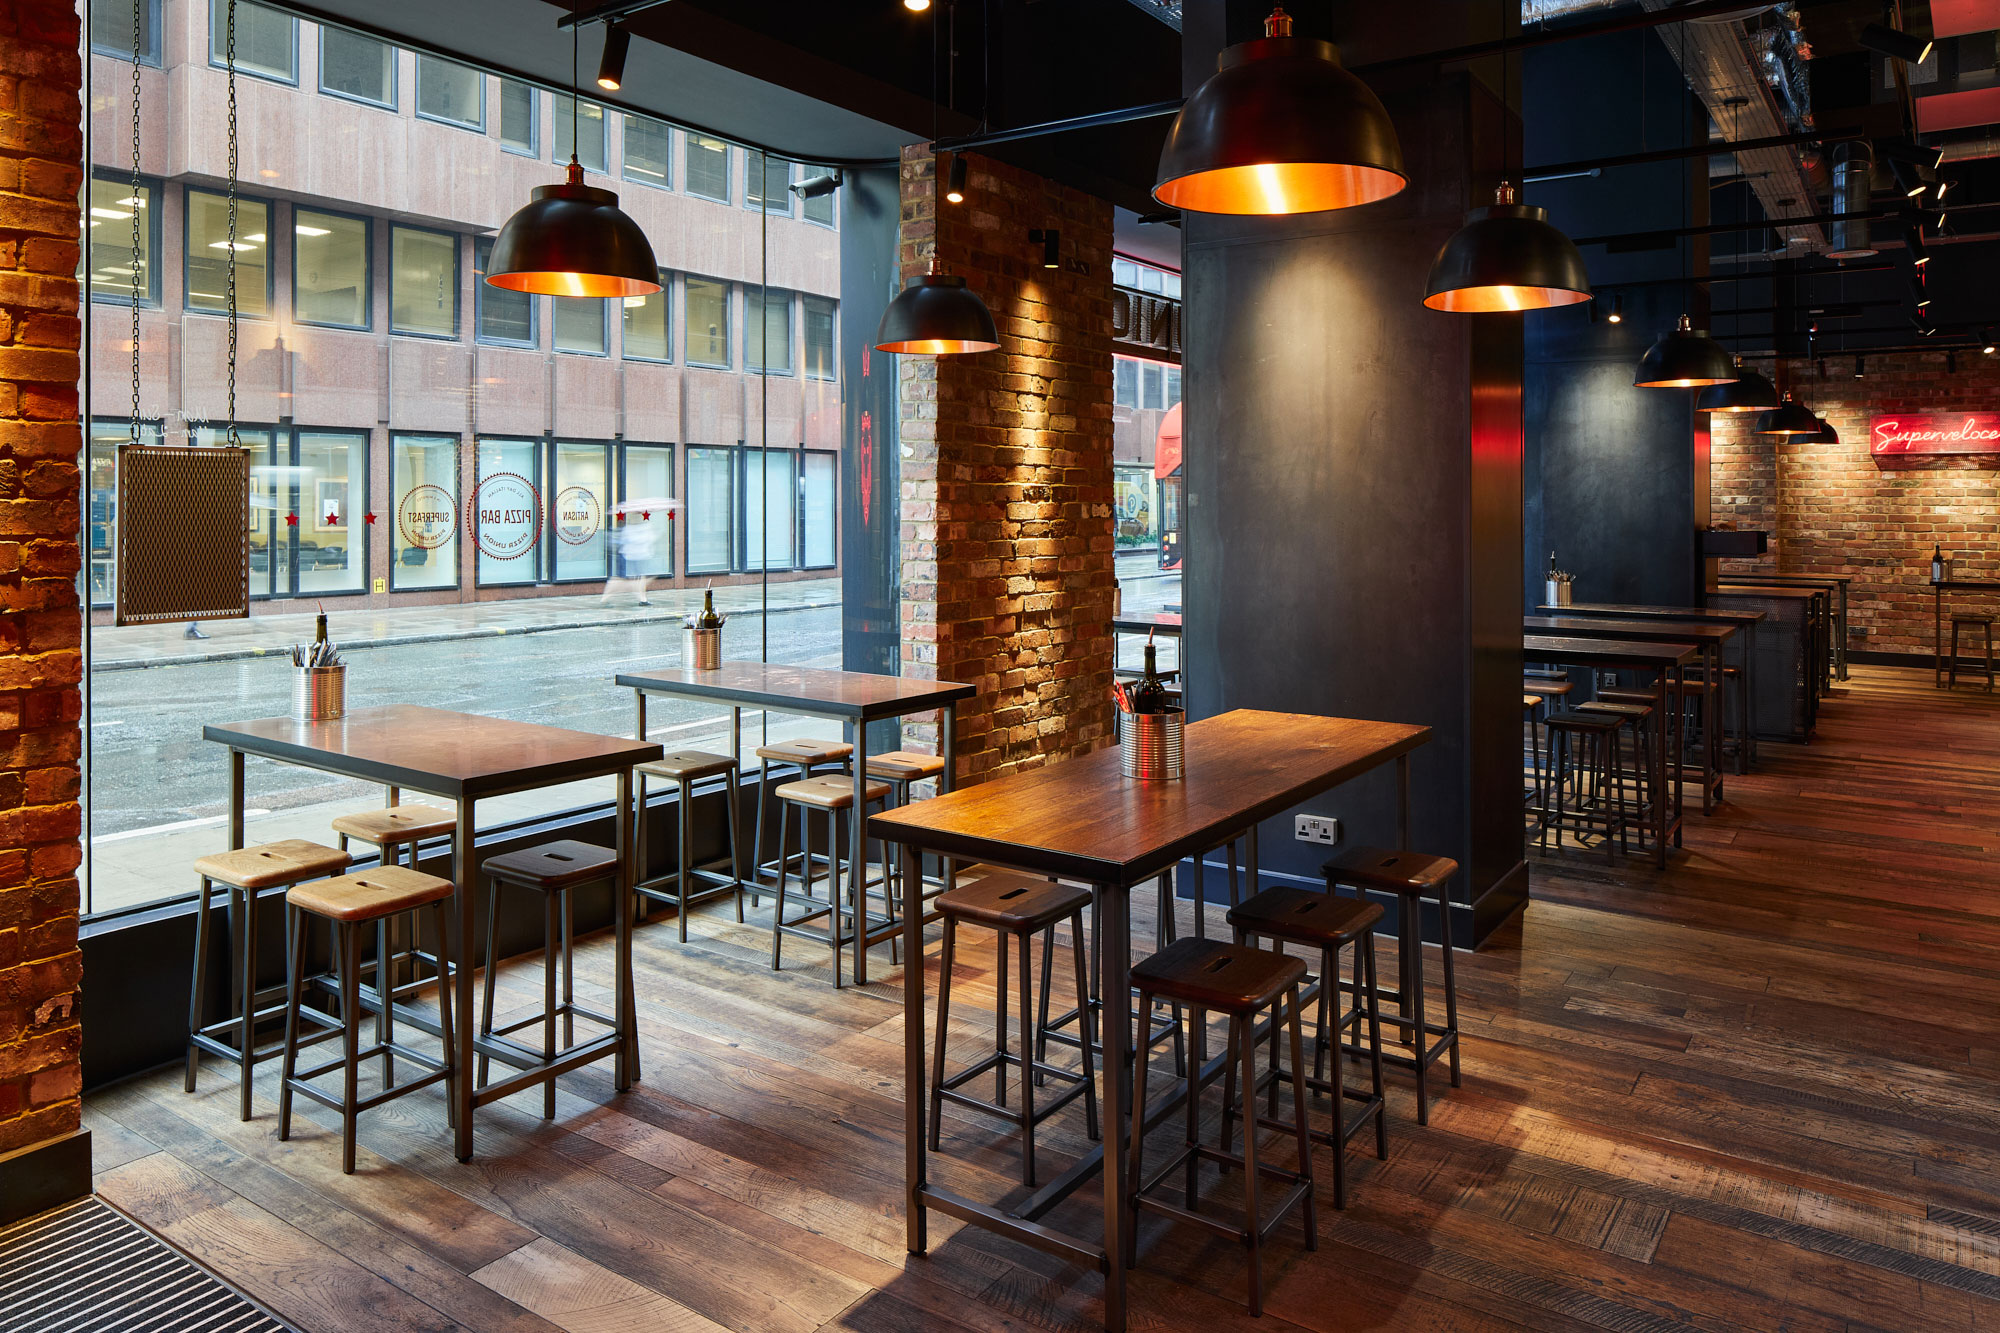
(330, 271)
(764, 182)
(423, 282)
(451, 92)
(821, 356)
(711, 507)
(111, 29)
(589, 138)
(520, 126)
(207, 227)
(818, 208)
(330, 499)
(642, 538)
(1124, 381)
(770, 507)
(357, 67)
(819, 503)
(1152, 389)
(648, 151)
(1173, 385)
(267, 40)
(101, 482)
(506, 317)
(579, 324)
(768, 319)
(707, 167)
(579, 511)
(423, 527)
(646, 324)
(113, 262)
(707, 322)
(506, 512)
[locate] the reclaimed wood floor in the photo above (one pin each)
(1760, 1090)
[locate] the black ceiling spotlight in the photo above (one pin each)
(1986, 344)
(1907, 179)
(611, 65)
(1913, 241)
(1860, 368)
(1617, 315)
(813, 187)
(954, 190)
(1051, 242)
(1894, 43)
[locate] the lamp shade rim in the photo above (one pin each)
(572, 239)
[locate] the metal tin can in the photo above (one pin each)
(319, 694)
(1150, 745)
(701, 649)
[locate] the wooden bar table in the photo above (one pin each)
(1938, 590)
(1665, 662)
(1084, 821)
(465, 758)
(1837, 582)
(1745, 619)
(854, 698)
(1825, 653)
(1708, 638)
(1789, 643)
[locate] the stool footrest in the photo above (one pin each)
(394, 1048)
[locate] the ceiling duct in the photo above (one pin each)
(1853, 166)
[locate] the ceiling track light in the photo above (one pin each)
(916, 6)
(1617, 315)
(611, 65)
(1507, 257)
(1860, 368)
(1280, 128)
(1894, 43)
(1913, 241)
(1951, 361)
(1050, 239)
(954, 192)
(1987, 347)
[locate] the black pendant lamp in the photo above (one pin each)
(1507, 256)
(1687, 358)
(936, 315)
(1826, 434)
(1790, 418)
(573, 239)
(1281, 127)
(1750, 392)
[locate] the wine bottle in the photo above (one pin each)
(709, 619)
(1553, 576)
(319, 628)
(1937, 564)
(1149, 694)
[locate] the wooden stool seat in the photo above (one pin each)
(830, 793)
(1622, 694)
(553, 865)
(1015, 903)
(1310, 916)
(1970, 621)
(1217, 975)
(1634, 711)
(383, 891)
(272, 863)
(1548, 689)
(393, 825)
(1576, 719)
(1392, 871)
(1531, 701)
(690, 764)
(905, 766)
(810, 753)
(1958, 619)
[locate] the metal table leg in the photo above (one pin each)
(1115, 986)
(465, 1030)
(857, 852)
(915, 1095)
(625, 1065)
(1660, 796)
(948, 780)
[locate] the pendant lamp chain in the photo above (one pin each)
(138, 58)
(230, 57)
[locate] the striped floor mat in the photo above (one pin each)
(87, 1268)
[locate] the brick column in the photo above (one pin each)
(1006, 472)
(41, 170)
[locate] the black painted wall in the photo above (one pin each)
(1354, 505)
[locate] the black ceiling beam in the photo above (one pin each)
(1670, 234)
(1765, 274)
(1095, 121)
(616, 9)
(1692, 150)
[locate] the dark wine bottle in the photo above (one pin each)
(1937, 564)
(319, 628)
(709, 619)
(1149, 693)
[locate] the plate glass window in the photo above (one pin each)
(423, 282)
(505, 316)
(330, 499)
(768, 315)
(111, 29)
(820, 353)
(362, 68)
(1125, 381)
(423, 527)
(101, 530)
(707, 322)
(711, 506)
(648, 151)
(451, 92)
(579, 510)
(589, 117)
(329, 269)
(642, 541)
(770, 507)
(519, 122)
(707, 167)
(1152, 388)
(579, 324)
(819, 495)
(208, 254)
(765, 179)
(504, 516)
(113, 262)
(267, 40)
(647, 335)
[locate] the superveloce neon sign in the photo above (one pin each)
(1938, 433)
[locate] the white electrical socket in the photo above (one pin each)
(1317, 828)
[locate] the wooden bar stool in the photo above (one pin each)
(1328, 924)
(1531, 706)
(1150, 1028)
(1580, 746)
(1970, 622)
(551, 870)
(1239, 982)
(349, 905)
(1412, 877)
(1637, 716)
(902, 770)
(689, 883)
(800, 759)
(396, 831)
(830, 796)
(247, 871)
(1018, 908)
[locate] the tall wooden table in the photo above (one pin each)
(1791, 642)
(1743, 619)
(1938, 590)
(854, 698)
(1665, 662)
(1826, 633)
(465, 758)
(1082, 820)
(1708, 638)
(1836, 582)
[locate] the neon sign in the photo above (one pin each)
(1935, 433)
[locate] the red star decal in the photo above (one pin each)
(370, 516)
(291, 520)
(646, 514)
(332, 520)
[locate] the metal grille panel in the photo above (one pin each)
(87, 1268)
(183, 533)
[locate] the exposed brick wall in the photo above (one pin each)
(41, 169)
(1831, 509)
(1006, 473)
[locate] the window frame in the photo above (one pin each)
(457, 502)
(728, 338)
(151, 431)
(537, 558)
(356, 539)
(687, 565)
(625, 152)
(479, 290)
(470, 127)
(790, 370)
(666, 295)
(187, 233)
(687, 175)
(148, 55)
(395, 72)
(623, 453)
(763, 158)
(368, 269)
(553, 445)
(557, 150)
(740, 501)
(603, 330)
(799, 558)
(833, 338)
(458, 278)
(534, 145)
(222, 5)
(155, 232)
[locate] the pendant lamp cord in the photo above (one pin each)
(933, 265)
(138, 57)
(230, 58)
(575, 78)
(1506, 139)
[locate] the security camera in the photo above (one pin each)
(812, 187)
